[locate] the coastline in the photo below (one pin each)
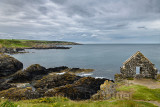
(14, 46)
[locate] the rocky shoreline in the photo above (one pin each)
(55, 47)
(37, 81)
(22, 50)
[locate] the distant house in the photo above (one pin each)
(138, 66)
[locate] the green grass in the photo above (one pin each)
(64, 102)
(29, 43)
(142, 92)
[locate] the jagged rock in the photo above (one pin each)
(33, 72)
(19, 93)
(118, 77)
(57, 69)
(11, 50)
(107, 91)
(83, 88)
(9, 65)
(4, 86)
(36, 72)
(51, 81)
(35, 69)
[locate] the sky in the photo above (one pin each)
(82, 21)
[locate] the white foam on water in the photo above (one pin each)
(99, 77)
(60, 73)
(86, 74)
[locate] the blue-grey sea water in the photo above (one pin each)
(106, 59)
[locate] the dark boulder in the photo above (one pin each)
(9, 65)
(33, 72)
(35, 69)
(51, 81)
(4, 86)
(57, 69)
(83, 88)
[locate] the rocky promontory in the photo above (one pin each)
(37, 81)
(22, 50)
(14, 46)
(9, 65)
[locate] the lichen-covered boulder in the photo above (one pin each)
(83, 88)
(35, 68)
(51, 81)
(19, 93)
(118, 77)
(107, 91)
(9, 65)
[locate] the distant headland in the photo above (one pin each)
(18, 45)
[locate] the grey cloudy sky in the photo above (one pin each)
(84, 21)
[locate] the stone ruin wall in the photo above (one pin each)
(147, 69)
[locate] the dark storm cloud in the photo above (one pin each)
(105, 21)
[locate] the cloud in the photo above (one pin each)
(88, 21)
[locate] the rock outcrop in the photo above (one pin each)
(107, 91)
(33, 72)
(9, 65)
(11, 50)
(83, 88)
(19, 93)
(4, 86)
(52, 81)
(36, 72)
(36, 81)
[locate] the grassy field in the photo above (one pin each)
(29, 43)
(141, 97)
(142, 92)
(64, 102)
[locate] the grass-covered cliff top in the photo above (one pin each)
(30, 43)
(64, 102)
(142, 96)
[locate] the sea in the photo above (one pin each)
(105, 59)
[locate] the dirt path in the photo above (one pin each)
(150, 83)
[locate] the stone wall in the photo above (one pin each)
(147, 69)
